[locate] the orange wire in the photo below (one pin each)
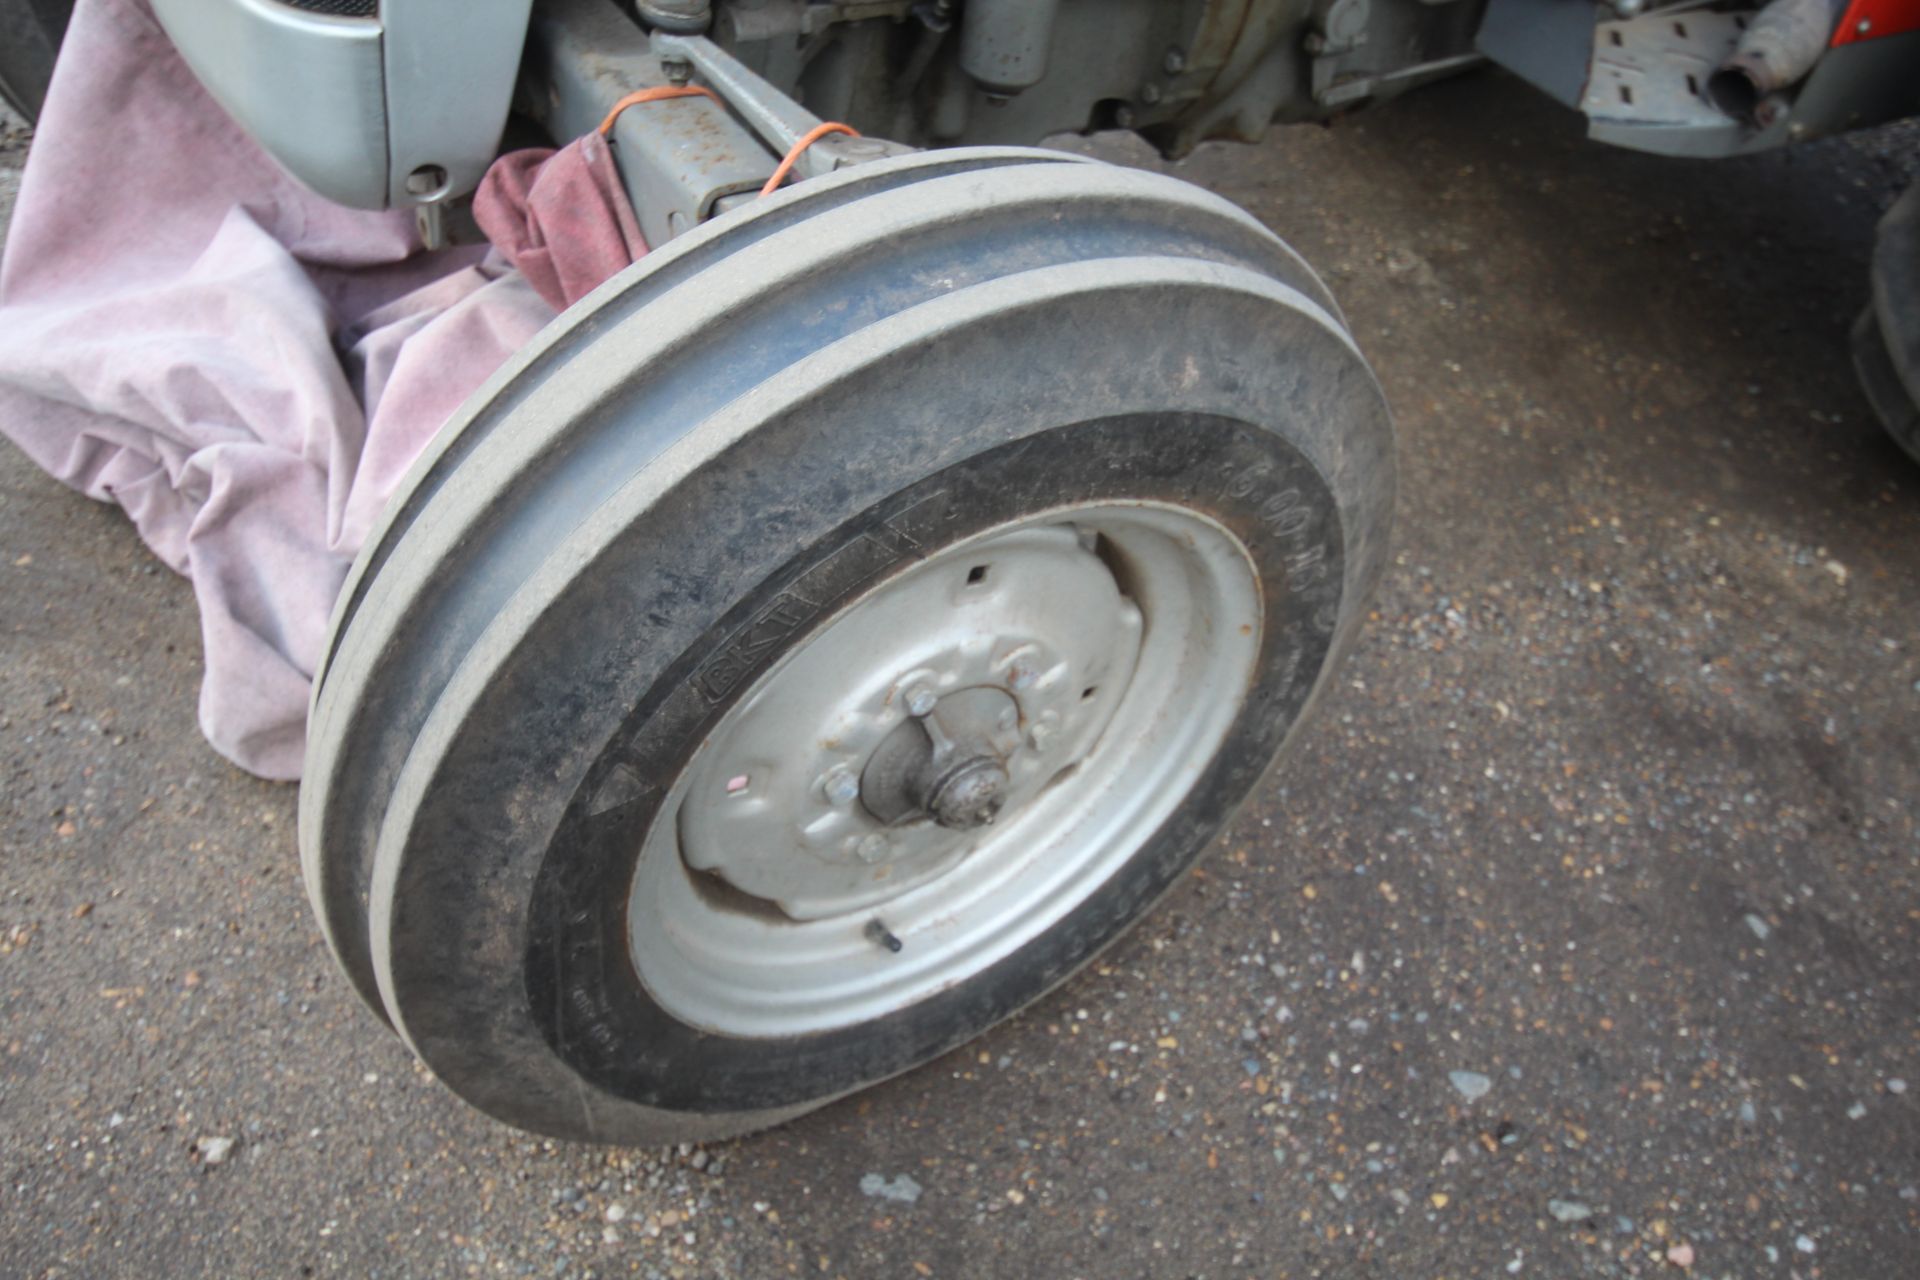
(660, 92)
(811, 136)
(655, 94)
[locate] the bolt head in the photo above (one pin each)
(921, 700)
(1021, 675)
(1042, 730)
(1176, 61)
(840, 787)
(872, 848)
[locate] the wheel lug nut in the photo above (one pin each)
(921, 700)
(1042, 730)
(840, 787)
(873, 848)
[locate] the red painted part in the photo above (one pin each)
(1869, 19)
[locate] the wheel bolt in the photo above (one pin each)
(873, 848)
(1041, 731)
(840, 786)
(921, 700)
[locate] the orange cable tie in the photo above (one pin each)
(655, 94)
(811, 136)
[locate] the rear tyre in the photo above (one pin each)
(1886, 337)
(741, 718)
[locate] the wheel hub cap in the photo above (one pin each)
(946, 767)
(929, 710)
(970, 796)
(948, 763)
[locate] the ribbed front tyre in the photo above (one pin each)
(833, 633)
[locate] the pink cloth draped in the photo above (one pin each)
(247, 369)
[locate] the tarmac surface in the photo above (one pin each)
(1577, 938)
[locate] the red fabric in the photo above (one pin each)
(562, 217)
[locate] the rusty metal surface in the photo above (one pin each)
(679, 157)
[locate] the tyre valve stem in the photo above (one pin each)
(879, 933)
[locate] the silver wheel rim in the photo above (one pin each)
(1055, 687)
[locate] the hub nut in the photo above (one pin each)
(970, 796)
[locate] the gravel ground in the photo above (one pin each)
(1577, 940)
(14, 136)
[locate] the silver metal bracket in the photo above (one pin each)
(682, 160)
(1646, 88)
(779, 120)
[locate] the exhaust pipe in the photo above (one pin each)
(1776, 52)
